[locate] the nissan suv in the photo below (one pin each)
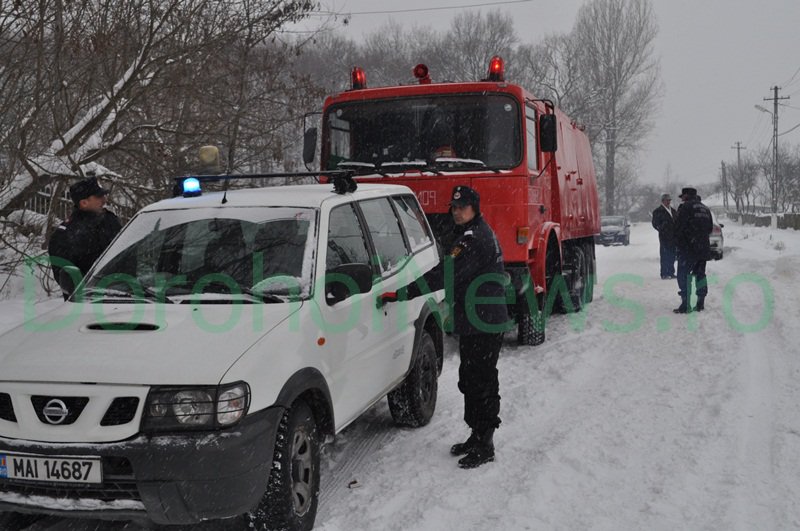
(216, 344)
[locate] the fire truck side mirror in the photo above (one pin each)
(548, 139)
(309, 145)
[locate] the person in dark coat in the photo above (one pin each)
(82, 238)
(692, 230)
(473, 274)
(664, 218)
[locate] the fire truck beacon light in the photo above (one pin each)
(497, 69)
(359, 78)
(421, 73)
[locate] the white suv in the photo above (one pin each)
(215, 345)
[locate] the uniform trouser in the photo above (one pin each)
(688, 269)
(667, 251)
(477, 379)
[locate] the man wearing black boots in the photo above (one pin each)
(692, 229)
(473, 270)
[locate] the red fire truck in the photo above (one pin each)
(530, 163)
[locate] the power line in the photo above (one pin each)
(789, 130)
(440, 8)
(793, 76)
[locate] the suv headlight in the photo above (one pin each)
(195, 408)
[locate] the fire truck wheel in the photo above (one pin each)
(530, 328)
(589, 274)
(577, 280)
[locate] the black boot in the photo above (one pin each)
(482, 450)
(466, 446)
(683, 308)
(701, 304)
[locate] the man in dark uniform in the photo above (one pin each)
(692, 229)
(480, 318)
(81, 239)
(664, 218)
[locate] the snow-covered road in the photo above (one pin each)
(628, 417)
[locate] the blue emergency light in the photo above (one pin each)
(191, 187)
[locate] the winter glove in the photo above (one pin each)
(383, 298)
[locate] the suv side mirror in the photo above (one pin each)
(548, 138)
(347, 280)
(309, 145)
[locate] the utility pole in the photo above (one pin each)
(775, 99)
(738, 147)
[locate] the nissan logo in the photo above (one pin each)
(55, 411)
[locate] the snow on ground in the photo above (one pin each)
(628, 417)
(634, 418)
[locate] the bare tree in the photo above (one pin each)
(109, 77)
(616, 39)
(463, 52)
(551, 69)
(741, 180)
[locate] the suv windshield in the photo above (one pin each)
(435, 133)
(260, 252)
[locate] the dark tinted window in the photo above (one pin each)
(413, 221)
(346, 243)
(384, 227)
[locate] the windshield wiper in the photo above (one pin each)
(148, 293)
(264, 296)
(402, 165)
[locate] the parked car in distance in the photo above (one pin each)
(614, 229)
(716, 239)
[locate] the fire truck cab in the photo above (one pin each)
(530, 163)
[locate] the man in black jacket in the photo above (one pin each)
(82, 238)
(664, 218)
(692, 229)
(475, 278)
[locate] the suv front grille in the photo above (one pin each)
(7, 408)
(75, 405)
(121, 411)
(118, 484)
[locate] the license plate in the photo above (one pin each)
(51, 468)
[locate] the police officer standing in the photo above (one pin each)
(82, 238)
(664, 219)
(480, 318)
(692, 230)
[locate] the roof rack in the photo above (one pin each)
(342, 179)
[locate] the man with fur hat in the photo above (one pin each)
(82, 238)
(692, 230)
(480, 318)
(664, 218)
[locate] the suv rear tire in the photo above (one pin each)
(413, 403)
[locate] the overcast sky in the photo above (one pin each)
(719, 58)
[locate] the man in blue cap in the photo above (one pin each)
(82, 238)
(477, 269)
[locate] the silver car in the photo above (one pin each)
(716, 239)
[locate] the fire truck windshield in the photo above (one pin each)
(434, 133)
